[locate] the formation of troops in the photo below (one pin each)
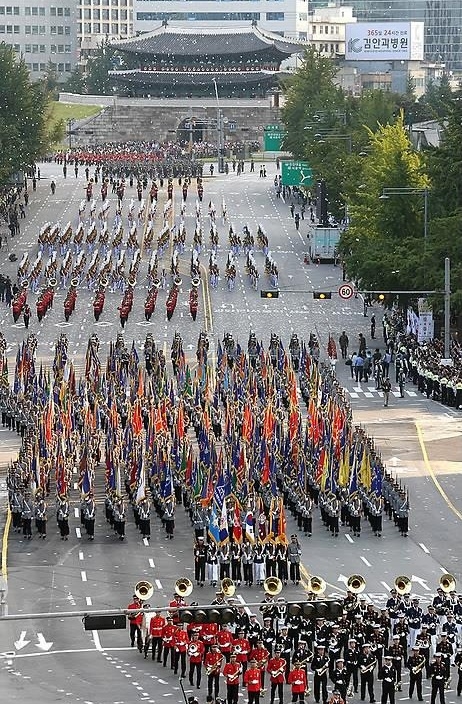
(276, 650)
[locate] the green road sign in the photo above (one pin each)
(274, 135)
(296, 173)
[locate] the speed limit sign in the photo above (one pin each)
(346, 291)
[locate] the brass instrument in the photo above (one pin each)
(227, 587)
(447, 583)
(177, 281)
(280, 671)
(317, 585)
(53, 283)
(183, 586)
(104, 283)
(322, 670)
(232, 678)
(272, 586)
(193, 649)
(144, 590)
(25, 283)
(75, 282)
(356, 584)
(156, 283)
(368, 668)
(403, 585)
(196, 282)
(132, 281)
(419, 667)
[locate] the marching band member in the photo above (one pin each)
(181, 641)
(340, 678)
(208, 634)
(224, 557)
(458, 664)
(195, 653)
(259, 563)
(200, 559)
(298, 681)
(388, 675)
(276, 668)
(395, 651)
(241, 647)
(261, 655)
(236, 563)
(320, 667)
(439, 673)
(168, 641)
(213, 663)
(224, 639)
(367, 662)
(247, 562)
(415, 664)
(135, 621)
(252, 680)
(212, 564)
(156, 627)
(253, 631)
(293, 553)
(231, 672)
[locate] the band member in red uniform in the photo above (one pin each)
(208, 634)
(156, 627)
(261, 655)
(195, 652)
(168, 641)
(276, 668)
(224, 638)
(181, 640)
(176, 603)
(297, 680)
(213, 662)
(252, 680)
(135, 623)
(241, 647)
(231, 672)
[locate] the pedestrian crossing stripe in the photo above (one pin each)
(372, 392)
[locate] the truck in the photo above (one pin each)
(323, 243)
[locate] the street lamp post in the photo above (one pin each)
(70, 124)
(220, 145)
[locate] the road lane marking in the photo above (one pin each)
(349, 538)
(83, 574)
(432, 473)
(80, 555)
(78, 532)
(366, 562)
(388, 588)
(76, 512)
(424, 548)
(96, 640)
(158, 584)
(6, 533)
(88, 601)
(146, 542)
(151, 562)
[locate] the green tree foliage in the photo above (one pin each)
(311, 97)
(384, 246)
(76, 82)
(23, 106)
(438, 98)
(98, 79)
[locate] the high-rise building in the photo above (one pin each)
(44, 34)
(101, 20)
(442, 18)
(288, 18)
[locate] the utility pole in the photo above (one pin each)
(447, 308)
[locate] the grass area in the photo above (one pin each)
(71, 111)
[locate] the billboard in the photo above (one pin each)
(384, 41)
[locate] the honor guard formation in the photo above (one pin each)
(280, 651)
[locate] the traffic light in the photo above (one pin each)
(207, 615)
(104, 623)
(324, 608)
(269, 294)
(322, 295)
(381, 297)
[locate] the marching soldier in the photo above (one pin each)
(231, 672)
(298, 682)
(439, 674)
(320, 668)
(261, 656)
(458, 664)
(367, 662)
(200, 559)
(62, 516)
(340, 678)
(181, 641)
(213, 663)
(195, 652)
(135, 621)
(247, 562)
(396, 652)
(168, 641)
(241, 647)
(415, 664)
(236, 563)
(26, 518)
(276, 668)
(41, 515)
(89, 515)
(352, 665)
(156, 627)
(387, 674)
(293, 553)
(252, 680)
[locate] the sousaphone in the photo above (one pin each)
(144, 590)
(272, 586)
(317, 585)
(183, 586)
(447, 583)
(356, 584)
(196, 282)
(403, 585)
(177, 281)
(227, 587)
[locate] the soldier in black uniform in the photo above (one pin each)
(415, 665)
(339, 678)
(320, 668)
(387, 674)
(352, 664)
(200, 558)
(439, 674)
(367, 663)
(396, 652)
(458, 664)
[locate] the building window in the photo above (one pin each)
(96, 28)
(35, 49)
(42, 30)
(52, 11)
(35, 67)
(67, 31)
(60, 29)
(17, 48)
(16, 10)
(67, 12)
(16, 29)
(67, 49)
(27, 29)
(114, 15)
(105, 28)
(43, 67)
(42, 49)
(114, 29)
(60, 48)
(41, 12)
(67, 68)
(26, 11)
(105, 15)
(199, 16)
(96, 15)
(35, 29)
(60, 11)
(123, 29)
(28, 48)
(9, 10)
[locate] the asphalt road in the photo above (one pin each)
(55, 659)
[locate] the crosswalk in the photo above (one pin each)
(371, 392)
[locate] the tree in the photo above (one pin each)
(98, 79)
(22, 116)
(383, 247)
(311, 98)
(438, 98)
(76, 82)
